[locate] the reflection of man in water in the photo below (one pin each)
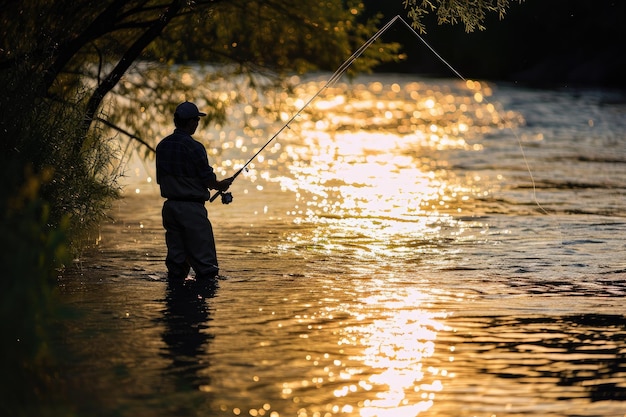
(187, 336)
(185, 177)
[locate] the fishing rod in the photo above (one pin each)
(227, 197)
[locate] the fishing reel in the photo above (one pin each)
(227, 198)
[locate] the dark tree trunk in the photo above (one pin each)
(131, 54)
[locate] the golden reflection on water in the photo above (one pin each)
(364, 159)
(366, 150)
(365, 174)
(363, 168)
(396, 340)
(362, 164)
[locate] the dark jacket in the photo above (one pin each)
(183, 169)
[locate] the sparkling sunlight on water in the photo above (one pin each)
(385, 257)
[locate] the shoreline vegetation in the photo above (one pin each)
(50, 200)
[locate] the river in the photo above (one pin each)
(409, 247)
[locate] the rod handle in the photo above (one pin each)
(217, 194)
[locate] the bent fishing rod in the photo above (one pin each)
(227, 196)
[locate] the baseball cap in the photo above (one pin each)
(188, 110)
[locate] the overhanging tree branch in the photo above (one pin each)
(102, 24)
(131, 54)
(127, 133)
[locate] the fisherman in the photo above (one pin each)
(185, 177)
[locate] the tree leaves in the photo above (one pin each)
(471, 14)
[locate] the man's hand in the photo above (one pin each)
(224, 184)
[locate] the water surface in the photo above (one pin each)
(409, 247)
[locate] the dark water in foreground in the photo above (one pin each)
(391, 258)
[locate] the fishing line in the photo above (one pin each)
(344, 67)
(512, 128)
(519, 140)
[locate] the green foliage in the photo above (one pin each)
(31, 252)
(254, 42)
(49, 197)
(76, 43)
(40, 135)
(84, 184)
(471, 14)
(278, 36)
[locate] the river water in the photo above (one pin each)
(409, 247)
